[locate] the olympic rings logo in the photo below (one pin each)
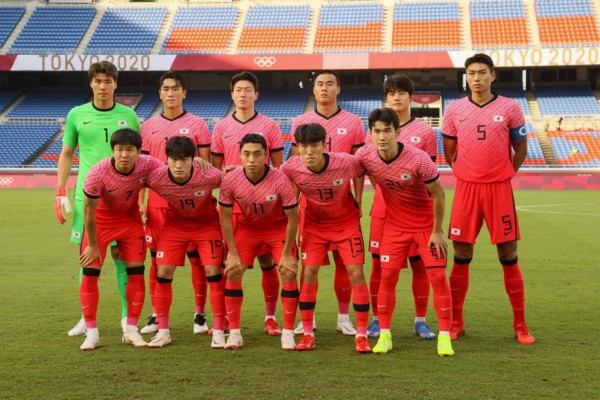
(265, 62)
(6, 181)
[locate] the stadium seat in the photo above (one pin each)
(9, 18)
(580, 148)
(569, 23)
(566, 100)
(19, 142)
(498, 24)
(48, 104)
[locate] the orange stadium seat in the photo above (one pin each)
(349, 37)
(580, 29)
(197, 39)
(499, 32)
(272, 39)
(426, 34)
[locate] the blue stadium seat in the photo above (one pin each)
(9, 18)
(6, 98)
(567, 100)
(46, 104)
(19, 142)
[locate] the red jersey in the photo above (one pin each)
(329, 201)
(190, 203)
(402, 181)
(118, 193)
(157, 130)
(228, 134)
(345, 131)
(483, 134)
(262, 203)
(415, 133)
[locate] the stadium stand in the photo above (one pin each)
(349, 28)
(49, 158)
(46, 104)
(535, 156)
(566, 23)
(19, 142)
(498, 24)
(281, 103)
(360, 102)
(426, 26)
(146, 105)
(274, 29)
(9, 18)
(7, 97)
(140, 25)
(201, 30)
(576, 148)
(41, 35)
(566, 100)
(517, 95)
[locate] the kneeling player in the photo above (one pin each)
(331, 219)
(191, 219)
(414, 196)
(111, 214)
(266, 197)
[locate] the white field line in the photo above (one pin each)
(532, 208)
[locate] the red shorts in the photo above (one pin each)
(396, 247)
(234, 222)
(175, 239)
(477, 202)
(128, 234)
(251, 242)
(155, 220)
(301, 228)
(377, 234)
(317, 241)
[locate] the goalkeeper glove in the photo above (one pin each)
(61, 201)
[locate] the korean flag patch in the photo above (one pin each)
(455, 231)
(405, 177)
(160, 254)
(122, 123)
(184, 131)
(415, 139)
(498, 118)
(342, 131)
(271, 197)
(199, 193)
(385, 259)
(338, 182)
(148, 239)
(304, 256)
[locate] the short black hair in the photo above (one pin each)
(176, 76)
(126, 136)
(253, 138)
(385, 115)
(181, 147)
(103, 67)
(398, 82)
(328, 72)
(310, 133)
(244, 76)
(480, 58)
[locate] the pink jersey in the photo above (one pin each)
(157, 130)
(415, 133)
(118, 193)
(262, 203)
(190, 203)
(329, 201)
(228, 134)
(483, 135)
(345, 131)
(402, 181)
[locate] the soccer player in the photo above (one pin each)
(345, 134)
(480, 133)
(225, 150)
(398, 90)
(90, 127)
(174, 120)
(415, 199)
(331, 218)
(269, 218)
(191, 218)
(111, 213)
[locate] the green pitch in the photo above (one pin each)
(559, 257)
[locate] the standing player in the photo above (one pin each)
(111, 213)
(174, 120)
(331, 219)
(415, 199)
(190, 219)
(90, 127)
(398, 90)
(266, 197)
(480, 134)
(225, 150)
(345, 134)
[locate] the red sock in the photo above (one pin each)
(307, 302)
(163, 297)
(217, 299)
(374, 282)
(270, 286)
(515, 288)
(152, 279)
(420, 286)
(135, 293)
(387, 296)
(341, 284)
(289, 300)
(442, 299)
(89, 295)
(459, 284)
(234, 297)
(360, 302)
(199, 284)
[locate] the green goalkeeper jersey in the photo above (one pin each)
(91, 129)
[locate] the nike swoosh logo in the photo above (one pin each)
(87, 122)
(346, 289)
(515, 291)
(227, 137)
(289, 312)
(230, 312)
(86, 306)
(462, 120)
(152, 133)
(167, 194)
(446, 309)
(136, 304)
(111, 190)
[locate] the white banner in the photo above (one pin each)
(82, 62)
(555, 57)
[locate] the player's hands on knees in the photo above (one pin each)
(88, 256)
(233, 264)
(287, 264)
(437, 241)
(62, 201)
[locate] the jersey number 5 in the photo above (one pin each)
(481, 130)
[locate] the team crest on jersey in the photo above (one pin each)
(342, 131)
(455, 231)
(271, 197)
(405, 177)
(184, 131)
(148, 239)
(122, 123)
(385, 258)
(143, 180)
(160, 254)
(415, 139)
(374, 244)
(498, 118)
(199, 193)
(338, 182)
